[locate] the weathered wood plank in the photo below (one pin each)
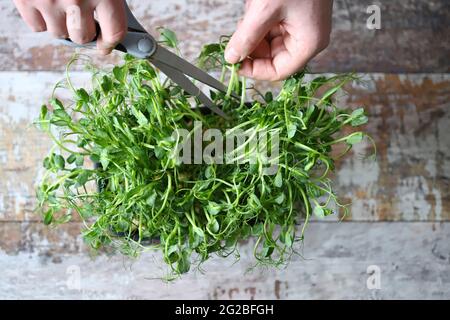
(412, 260)
(409, 120)
(410, 123)
(414, 35)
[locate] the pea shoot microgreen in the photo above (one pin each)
(139, 197)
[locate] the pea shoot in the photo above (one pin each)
(138, 195)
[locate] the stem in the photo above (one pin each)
(231, 84)
(243, 91)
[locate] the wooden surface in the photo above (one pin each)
(413, 260)
(414, 34)
(400, 215)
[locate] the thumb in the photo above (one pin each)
(261, 16)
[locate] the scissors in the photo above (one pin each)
(140, 44)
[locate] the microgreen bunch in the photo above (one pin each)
(139, 196)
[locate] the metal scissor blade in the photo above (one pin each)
(132, 21)
(184, 82)
(165, 56)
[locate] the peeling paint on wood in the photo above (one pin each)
(22, 146)
(409, 120)
(410, 123)
(413, 260)
(414, 35)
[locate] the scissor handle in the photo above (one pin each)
(136, 42)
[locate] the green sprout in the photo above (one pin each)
(138, 196)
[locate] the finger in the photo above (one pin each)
(80, 24)
(56, 22)
(113, 24)
(276, 31)
(31, 16)
(263, 50)
(247, 5)
(261, 16)
(258, 69)
(280, 66)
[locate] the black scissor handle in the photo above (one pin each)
(136, 42)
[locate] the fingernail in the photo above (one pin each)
(232, 56)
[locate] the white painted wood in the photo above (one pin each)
(413, 259)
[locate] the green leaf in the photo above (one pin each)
(357, 112)
(48, 217)
(291, 130)
(328, 94)
(84, 122)
(253, 199)
(142, 120)
(62, 115)
(168, 37)
(310, 164)
(278, 181)
(83, 177)
(57, 105)
(358, 117)
(267, 250)
(355, 138)
(94, 157)
(106, 84)
(44, 125)
(198, 231)
(316, 83)
(122, 225)
(71, 159)
(119, 73)
(44, 112)
(280, 198)
(159, 152)
(47, 163)
(151, 200)
(104, 160)
(59, 123)
(82, 95)
(257, 229)
(79, 160)
(288, 239)
(359, 121)
(209, 49)
(59, 162)
(213, 208)
(209, 172)
(318, 212)
(213, 226)
(183, 264)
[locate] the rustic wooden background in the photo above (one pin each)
(399, 221)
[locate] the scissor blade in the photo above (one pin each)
(165, 56)
(183, 81)
(132, 21)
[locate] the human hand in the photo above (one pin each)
(276, 38)
(74, 19)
